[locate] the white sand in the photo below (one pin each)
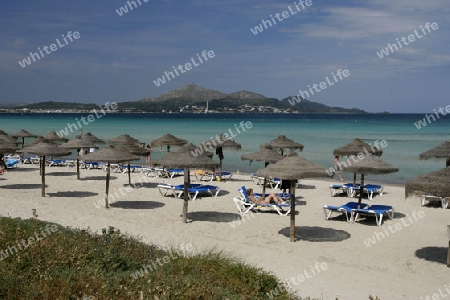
(393, 268)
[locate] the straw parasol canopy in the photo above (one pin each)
(436, 183)
(293, 168)
(23, 134)
(123, 139)
(264, 153)
(46, 148)
(79, 142)
(126, 140)
(54, 137)
(133, 149)
(168, 140)
(110, 155)
(355, 147)
(183, 158)
(2, 132)
(191, 147)
(221, 141)
(282, 142)
(6, 147)
(90, 137)
(441, 151)
(9, 139)
(369, 165)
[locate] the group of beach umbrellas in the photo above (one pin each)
(125, 149)
(290, 167)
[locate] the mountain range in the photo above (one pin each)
(193, 95)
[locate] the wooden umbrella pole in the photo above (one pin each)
(129, 174)
(186, 194)
(447, 162)
(292, 192)
(354, 180)
(108, 167)
(264, 183)
(264, 189)
(78, 168)
(43, 176)
(220, 170)
(361, 189)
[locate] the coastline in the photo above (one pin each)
(319, 133)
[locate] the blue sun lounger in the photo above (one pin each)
(244, 204)
(345, 209)
(174, 190)
(197, 189)
(370, 189)
(345, 187)
(283, 196)
(374, 210)
(135, 169)
(12, 162)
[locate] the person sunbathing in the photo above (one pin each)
(272, 198)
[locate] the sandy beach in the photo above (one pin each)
(405, 258)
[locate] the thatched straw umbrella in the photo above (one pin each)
(9, 139)
(354, 148)
(54, 137)
(7, 147)
(168, 140)
(265, 154)
(183, 158)
(90, 137)
(110, 155)
(220, 142)
(79, 142)
(131, 147)
(441, 151)
(123, 139)
(46, 148)
(3, 133)
(436, 183)
(282, 143)
(293, 168)
(23, 134)
(191, 147)
(369, 165)
(135, 150)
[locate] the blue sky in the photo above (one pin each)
(117, 58)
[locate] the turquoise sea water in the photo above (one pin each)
(320, 134)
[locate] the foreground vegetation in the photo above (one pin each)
(77, 264)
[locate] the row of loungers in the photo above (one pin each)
(202, 175)
(351, 190)
(352, 212)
